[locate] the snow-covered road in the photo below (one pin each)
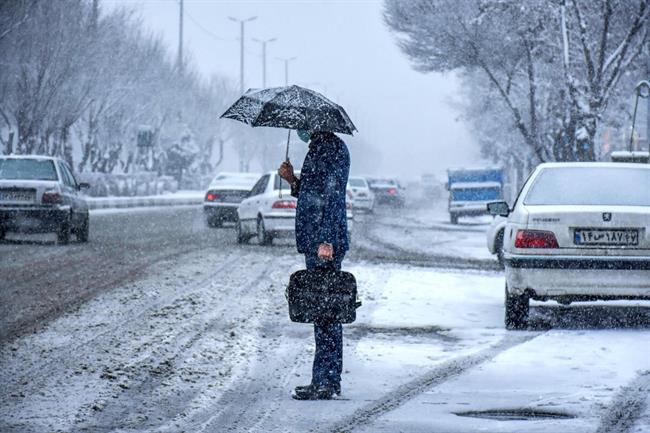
(200, 341)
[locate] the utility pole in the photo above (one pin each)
(241, 49)
(264, 42)
(286, 61)
(180, 38)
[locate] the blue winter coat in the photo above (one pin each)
(321, 192)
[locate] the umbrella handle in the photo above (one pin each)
(286, 158)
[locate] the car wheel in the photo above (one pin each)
(498, 246)
(453, 218)
(84, 230)
(263, 237)
(516, 311)
(241, 237)
(63, 233)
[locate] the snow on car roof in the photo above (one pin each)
(594, 164)
(226, 180)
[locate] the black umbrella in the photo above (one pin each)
(291, 107)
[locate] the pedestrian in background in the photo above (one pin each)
(322, 236)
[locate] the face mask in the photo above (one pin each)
(304, 135)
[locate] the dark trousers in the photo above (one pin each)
(328, 357)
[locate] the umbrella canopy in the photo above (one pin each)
(291, 107)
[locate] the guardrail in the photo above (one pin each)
(148, 201)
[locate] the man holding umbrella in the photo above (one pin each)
(321, 223)
(322, 236)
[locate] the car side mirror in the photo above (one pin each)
(500, 208)
(83, 185)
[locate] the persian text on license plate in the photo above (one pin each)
(16, 196)
(620, 237)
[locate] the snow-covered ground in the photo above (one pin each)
(428, 232)
(203, 343)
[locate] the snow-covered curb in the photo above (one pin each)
(176, 199)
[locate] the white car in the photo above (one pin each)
(577, 232)
(360, 194)
(40, 194)
(224, 194)
(269, 211)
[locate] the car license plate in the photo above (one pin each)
(17, 196)
(612, 237)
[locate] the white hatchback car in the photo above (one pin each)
(269, 211)
(360, 194)
(577, 232)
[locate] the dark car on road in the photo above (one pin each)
(387, 191)
(223, 196)
(39, 194)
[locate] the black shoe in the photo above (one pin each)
(336, 386)
(311, 392)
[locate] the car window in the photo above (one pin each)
(260, 186)
(615, 186)
(357, 183)
(68, 178)
(27, 169)
(279, 182)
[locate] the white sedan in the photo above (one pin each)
(269, 211)
(577, 232)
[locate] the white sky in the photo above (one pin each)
(344, 50)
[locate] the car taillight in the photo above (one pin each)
(348, 205)
(392, 191)
(51, 197)
(210, 196)
(284, 204)
(535, 239)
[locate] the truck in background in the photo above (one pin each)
(471, 189)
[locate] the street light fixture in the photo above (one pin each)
(642, 91)
(241, 54)
(264, 42)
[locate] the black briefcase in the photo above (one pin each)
(322, 296)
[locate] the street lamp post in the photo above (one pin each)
(286, 61)
(241, 54)
(264, 42)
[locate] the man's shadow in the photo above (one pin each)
(589, 316)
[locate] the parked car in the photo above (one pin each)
(577, 232)
(223, 196)
(360, 194)
(39, 194)
(494, 236)
(269, 211)
(387, 191)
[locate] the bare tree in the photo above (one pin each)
(554, 65)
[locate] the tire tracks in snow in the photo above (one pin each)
(627, 406)
(44, 370)
(178, 364)
(446, 371)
